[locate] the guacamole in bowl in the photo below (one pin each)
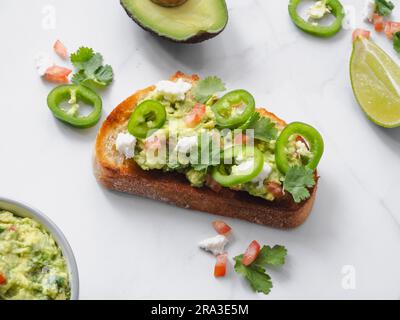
(36, 262)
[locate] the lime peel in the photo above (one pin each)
(375, 79)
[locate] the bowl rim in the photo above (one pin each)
(62, 242)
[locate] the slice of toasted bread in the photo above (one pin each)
(114, 172)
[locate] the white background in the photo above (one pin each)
(129, 248)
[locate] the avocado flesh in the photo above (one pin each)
(193, 21)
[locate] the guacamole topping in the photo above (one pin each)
(32, 266)
(175, 141)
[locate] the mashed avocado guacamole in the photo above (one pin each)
(31, 264)
(190, 115)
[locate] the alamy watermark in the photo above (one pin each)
(205, 148)
(348, 281)
(49, 17)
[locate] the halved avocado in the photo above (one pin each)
(194, 21)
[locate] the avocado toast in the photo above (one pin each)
(260, 195)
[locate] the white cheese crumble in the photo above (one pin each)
(42, 63)
(215, 245)
(264, 174)
(369, 10)
(185, 144)
(125, 144)
(318, 10)
(173, 91)
(243, 168)
(246, 167)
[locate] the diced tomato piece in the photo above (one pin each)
(379, 22)
(12, 229)
(196, 115)
(275, 189)
(60, 49)
(221, 227)
(57, 74)
(391, 28)
(220, 265)
(241, 139)
(251, 253)
(361, 33)
(3, 279)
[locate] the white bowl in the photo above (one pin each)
(23, 210)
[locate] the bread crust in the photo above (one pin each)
(115, 173)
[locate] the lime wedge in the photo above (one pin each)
(375, 79)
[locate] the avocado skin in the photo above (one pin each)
(200, 37)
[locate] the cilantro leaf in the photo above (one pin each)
(264, 128)
(91, 71)
(255, 274)
(297, 180)
(105, 74)
(384, 7)
(396, 42)
(2, 230)
(92, 65)
(81, 57)
(259, 280)
(271, 256)
(207, 87)
(252, 121)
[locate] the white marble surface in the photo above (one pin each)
(132, 248)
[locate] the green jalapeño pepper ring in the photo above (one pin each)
(314, 139)
(336, 9)
(73, 94)
(147, 116)
(234, 109)
(220, 175)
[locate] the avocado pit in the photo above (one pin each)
(169, 3)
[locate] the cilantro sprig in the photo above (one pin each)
(264, 128)
(384, 7)
(206, 88)
(256, 273)
(297, 181)
(90, 68)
